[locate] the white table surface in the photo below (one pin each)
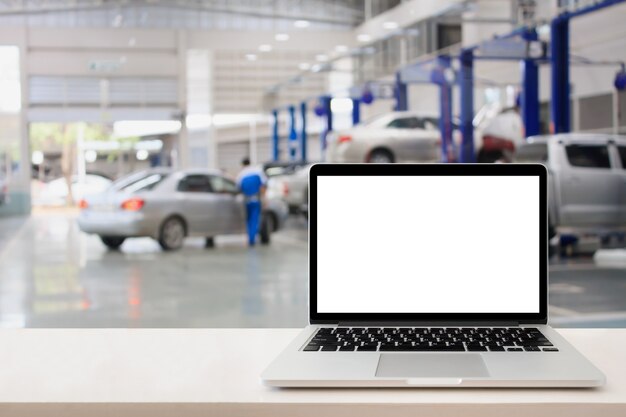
(203, 372)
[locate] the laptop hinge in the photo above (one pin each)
(455, 323)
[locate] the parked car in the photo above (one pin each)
(293, 189)
(587, 180)
(414, 137)
(54, 193)
(276, 168)
(170, 205)
(392, 137)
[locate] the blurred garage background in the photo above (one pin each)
(107, 104)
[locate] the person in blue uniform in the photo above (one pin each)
(252, 182)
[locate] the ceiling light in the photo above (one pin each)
(281, 37)
(390, 25)
(251, 57)
(321, 57)
(301, 24)
(91, 156)
(265, 47)
(341, 49)
(316, 68)
(142, 154)
(363, 37)
(304, 66)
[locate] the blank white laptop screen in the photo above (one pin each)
(427, 244)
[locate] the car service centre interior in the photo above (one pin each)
(124, 124)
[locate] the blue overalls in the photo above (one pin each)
(250, 185)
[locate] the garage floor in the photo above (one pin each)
(52, 275)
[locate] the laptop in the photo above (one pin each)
(429, 275)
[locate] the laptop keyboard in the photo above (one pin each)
(429, 339)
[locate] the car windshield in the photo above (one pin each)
(532, 152)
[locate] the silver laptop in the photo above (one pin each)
(429, 276)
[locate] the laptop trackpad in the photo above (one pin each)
(431, 365)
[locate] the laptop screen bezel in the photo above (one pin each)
(538, 170)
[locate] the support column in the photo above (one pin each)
(275, 137)
(559, 60)
(445, 109)
(303, 138)
(401, 94)
(466, 88)
(356, 111)
(530, 90)
(328, 115)
(293, 136)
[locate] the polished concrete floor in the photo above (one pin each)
(52, 275)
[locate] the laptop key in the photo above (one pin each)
(347, 348)
(550, 350)
(366, 348)
(311, 348)
(329, 348)
(532, 349)
(476, 348)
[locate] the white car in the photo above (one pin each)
(587, 180)
(393, 137)
(55, 192)
(292, 188)
(414, 137)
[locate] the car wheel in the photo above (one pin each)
(112, 242)
(380, 156)
(172, 233)
(267, 226)
(209, 242)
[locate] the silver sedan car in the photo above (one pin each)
(170, 205)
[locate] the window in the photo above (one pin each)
(588, 156)
(223, 185)
(622, 155)
(144, 183)
(407, 123)
(195, 184)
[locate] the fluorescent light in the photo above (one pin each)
(301, 24)
(341, 49)
(265, 47)
(128, 128)
(390, 25)
(341, 105)
(316, 68)
(142, 154)
(304, 66)
(321, 57)
(281, 37)
(251, 57)
(37, 158)
(91, 156)
(363, 37)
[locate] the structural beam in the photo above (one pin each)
(559, 60)
(530, 90)
(356, 111)
(401, 94)
(440, 77)
(293, 136)
(466, 89)
(275, 137)
(303, 137)
(328, 116)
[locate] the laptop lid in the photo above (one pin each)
(426, 243)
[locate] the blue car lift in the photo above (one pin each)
(559, 60)
(431, 71)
